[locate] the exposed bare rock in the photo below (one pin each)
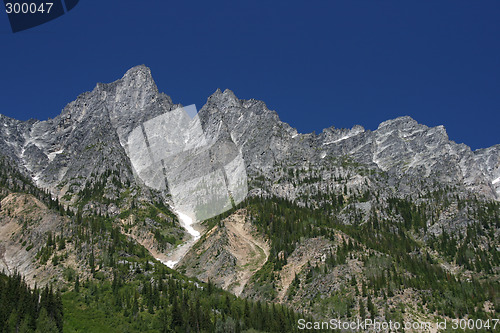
(312, 251)
(90, 136)
(24, 224)
(228, 254)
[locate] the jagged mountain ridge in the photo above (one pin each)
(401, 146)
(89, 137)
(402, 200)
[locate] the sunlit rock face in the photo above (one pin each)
(203, 156)
(88, 137)
(171, 153)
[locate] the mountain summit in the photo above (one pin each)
(90, 136)
(399, 223)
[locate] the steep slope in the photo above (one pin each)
(228, 254)
(24, 224)
(90, 137)
(409, 152)
(488, 160)
(349, 220)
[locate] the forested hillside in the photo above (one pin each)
(399, 223)
(105, 281)
(23, 309)
(387, 265)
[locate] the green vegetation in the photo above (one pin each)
(23, 309)
(154, 299)
(11, 180)
(120, 287)
(394, 258)
(161, 300)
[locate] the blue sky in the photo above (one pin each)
(317, 63)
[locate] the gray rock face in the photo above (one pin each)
(91, 135)
(405, 150)
(88, 137)
(488, 160)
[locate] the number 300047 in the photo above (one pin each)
(28, 8)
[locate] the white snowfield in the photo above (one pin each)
(186, 223)
(180, 251)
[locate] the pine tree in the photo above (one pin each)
(177, 320)
(371, 307)
(362, 311)
(45, 324)
(77, 284)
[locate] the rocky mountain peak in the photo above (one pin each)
(400, 122)
(407, 128)
(96, 127)
(137, 87)
(140, 73)
(224, 99)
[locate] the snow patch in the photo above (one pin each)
(186, 223)
(52, 155)
(496, 181)
(170, 263)
(355, 131)
(407, 134)
(181, 250)
(338, 140)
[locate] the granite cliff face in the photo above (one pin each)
(324, 212)
(90, 137)
(410, 153)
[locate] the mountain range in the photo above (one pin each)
(333, 223)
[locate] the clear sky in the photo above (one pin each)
(317, 63)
